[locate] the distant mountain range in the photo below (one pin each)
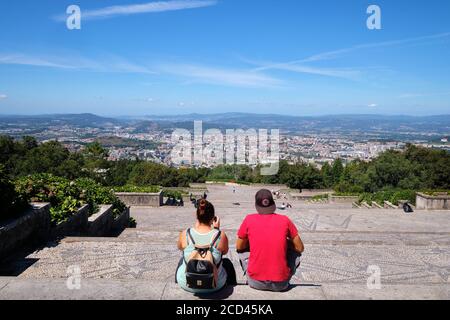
(438, 124)
(83, 119)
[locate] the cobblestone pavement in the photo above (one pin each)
(411, 251)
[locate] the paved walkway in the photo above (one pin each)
(412, 253)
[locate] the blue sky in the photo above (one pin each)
(137, 57)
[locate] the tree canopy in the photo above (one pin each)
(414, 168)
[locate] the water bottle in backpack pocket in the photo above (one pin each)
(201, 269)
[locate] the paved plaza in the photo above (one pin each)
(411, 251)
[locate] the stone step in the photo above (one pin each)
(321, 263)
(364, 204)
(94, 289)
(389, 205)
(309, 237)
(376, 205)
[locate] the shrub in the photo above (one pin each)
(95, 194)
(64, 210)
(132, 223)
(346, 194)
(66, 196)
(409, 195)
(12, 202)
(320, 197)
(46, 188)
(391, 195)
(172, 193)
(435, 192)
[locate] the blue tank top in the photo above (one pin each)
(202, 239)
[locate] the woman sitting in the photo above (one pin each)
(202, 268)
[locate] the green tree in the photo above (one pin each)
(337, 170)
(327, 175)
(12, 202)
(96, 160)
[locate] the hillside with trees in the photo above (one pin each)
(415, 168)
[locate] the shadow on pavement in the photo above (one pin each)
(220, 295)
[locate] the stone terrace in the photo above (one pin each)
(412, 251)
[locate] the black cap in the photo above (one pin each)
(264, 202)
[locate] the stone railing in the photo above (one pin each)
(34, 227)
(435, 202)
(300, 196)
(101, 223)
(275, 187)
(140, 199)
(76, 225)
(343, 199)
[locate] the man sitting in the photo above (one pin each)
(269, 246)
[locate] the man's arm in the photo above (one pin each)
(296, 244)
(242, 245)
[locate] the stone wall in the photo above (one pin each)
(33, 225)
(76, 225)
(343, 199)
(101, 223)
(121, 222)
(427, 202)
(137, 199)
(274, 187)
(301, 196)
(198, 185)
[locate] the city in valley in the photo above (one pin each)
(302, 139)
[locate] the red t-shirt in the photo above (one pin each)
(267, 234)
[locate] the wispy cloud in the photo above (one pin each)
(150, 7)
(337, 53)
(21, 59)
(107, 64)
(303, 65)
(419, 95)
(3, 96)
(346, 73)
(115, 64)
(222, 76)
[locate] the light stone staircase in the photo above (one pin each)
(413, 252)
(140, 264)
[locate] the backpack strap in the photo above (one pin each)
(216, 237)
(189, 237)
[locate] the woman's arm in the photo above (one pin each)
(223, 244)
(182, 241)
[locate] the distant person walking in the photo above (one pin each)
(269, 246)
